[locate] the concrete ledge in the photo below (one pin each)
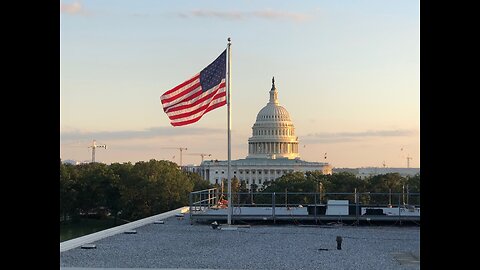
(89, 238)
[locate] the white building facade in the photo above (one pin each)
(366, 172)
(272, 150)
(372, 171)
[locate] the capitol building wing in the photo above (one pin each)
(272, 150)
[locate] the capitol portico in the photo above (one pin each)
(272, 150)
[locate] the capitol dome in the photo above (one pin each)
(273, 134)
(272, 111)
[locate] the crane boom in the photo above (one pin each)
(200, 154)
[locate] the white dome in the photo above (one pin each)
(273, 112)
(273, 134)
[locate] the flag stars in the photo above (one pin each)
(213, 74)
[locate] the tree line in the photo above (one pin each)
(125, 190)
(134, 191)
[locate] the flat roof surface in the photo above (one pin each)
(179, 245)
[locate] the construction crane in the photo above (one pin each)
(408, 161)
(408, 158)
(179, 148)
(94, 146)
(200, 154)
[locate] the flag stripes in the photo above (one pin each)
(187, 102)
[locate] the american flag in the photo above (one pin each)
(187, 102)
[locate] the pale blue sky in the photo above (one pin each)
(348, 72)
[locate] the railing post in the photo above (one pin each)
(209, 198)
(399, 219)
(233, 209)
(315, 208)
(356, 207)
(190, 200)
(273, 207)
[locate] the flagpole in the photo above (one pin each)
(229, 216)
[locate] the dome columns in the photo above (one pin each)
(268, 148)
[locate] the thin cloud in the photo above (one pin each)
(219, 14)
(75, 135)
(141, 15)
(268, 14)
(75, 8)
(279, 15)
(354, 136)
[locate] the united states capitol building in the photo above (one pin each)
(272, 150)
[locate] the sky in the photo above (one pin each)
(348, 72)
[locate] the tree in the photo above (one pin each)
(123, 170)
(384, 183)
(154, 187)
(132, 192)
(119, 192)
(291, 182)
(68, 192)
(343, 182)
(198, 182)
(413, 184)
(98, 188)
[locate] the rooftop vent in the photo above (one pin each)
(229, 228)
(88, 246)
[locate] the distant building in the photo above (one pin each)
(372, 171)
(272, 150)
(74, 162)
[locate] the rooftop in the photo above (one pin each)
(178, 244)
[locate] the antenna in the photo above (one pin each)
(94, 146)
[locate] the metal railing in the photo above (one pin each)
(203, 199)
(361, 205)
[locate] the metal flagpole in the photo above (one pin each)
(229, 216)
